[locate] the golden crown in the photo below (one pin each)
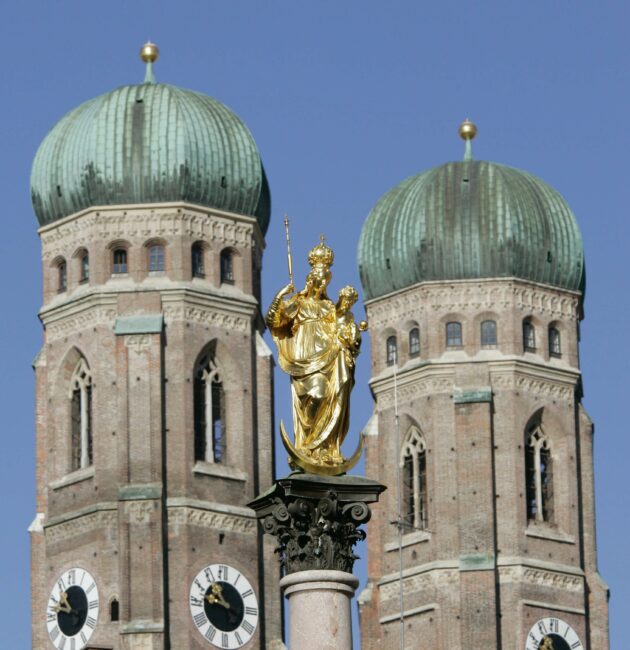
(321, 256)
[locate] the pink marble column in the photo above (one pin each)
(319, 609)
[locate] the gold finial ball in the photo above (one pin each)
(467, 130)
(363, 326)
(149, 52)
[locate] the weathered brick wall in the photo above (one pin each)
(144, 519)
(481, 565)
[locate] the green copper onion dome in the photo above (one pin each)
(149, 143)
(468, 220)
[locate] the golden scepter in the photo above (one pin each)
(289, 256)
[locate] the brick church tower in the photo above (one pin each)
(154, 386)
(473, 275)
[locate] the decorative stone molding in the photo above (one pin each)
(139, 512)
(185, 515)
(541, 577)
(206, 316)
(478, 295)
(534, 385)
(411, 391)
(138, 343)
(91, 317)
(103, 519)
(316, 519)
(419, 582)
(63, 237)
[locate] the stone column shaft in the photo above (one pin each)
(319, 609)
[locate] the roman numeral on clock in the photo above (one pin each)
(200, 619)
(249, 592)
(54, 633)
(90, 622)
(238, 638)
(248, 627)
(225, 640)
(210, 633)
(93, 604)
(577, 644)
(252, 611)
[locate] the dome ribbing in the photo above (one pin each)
(149, 143)
(466, 220)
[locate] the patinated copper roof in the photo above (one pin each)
(470, 219)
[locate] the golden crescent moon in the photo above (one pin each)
(313, 468)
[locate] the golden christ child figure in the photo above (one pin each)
(318, 342)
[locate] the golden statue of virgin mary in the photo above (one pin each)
(318, 342)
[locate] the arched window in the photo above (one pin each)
(391, 350)
(413, 462)
(198, 270)
(114, 610)
(81, 416)
(209, 404)
(539, 475)
(119, 260)
(84, 261)
(555, 349)
(62, 276)
(414, 342)
(156, 257)
(529, 336)
(453, 335)
(227, 266)
(488, 332)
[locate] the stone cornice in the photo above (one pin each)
(216, 516)
(151, 220)
(494, 294)
(525, 570)
(99, 306)
(430, 378)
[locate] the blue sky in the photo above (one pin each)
(344, 100)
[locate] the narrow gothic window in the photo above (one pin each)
(555, 349)
(227, 266)
(197, 261)
(488, 332)
(81, 416)
(156, 257)
(209, 404)
(62, 277)
(391, 350)
(119, 259)
(529, 336)
(85, 267)
(538, 467)
(414, 342)
(453, 335)
(114, 613)
(414, 481)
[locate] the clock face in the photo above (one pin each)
(552, 634)
(72, 610)
(223, 606)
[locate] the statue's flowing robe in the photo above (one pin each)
(322, 375)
